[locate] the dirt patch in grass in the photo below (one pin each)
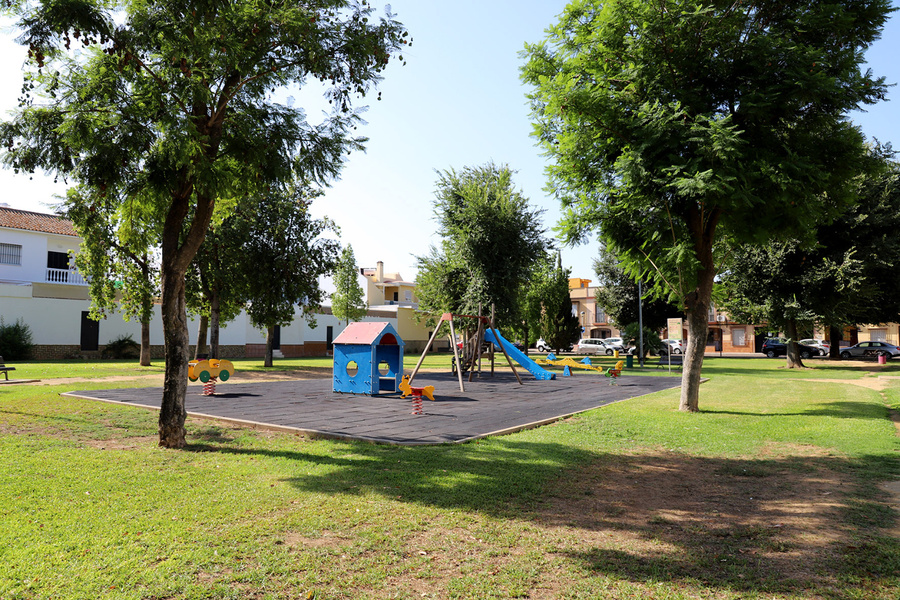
(873, 383)
(128, 443)
(751, 524)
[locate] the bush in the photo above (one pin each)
(15, 340)
(652, 343)
(123, 346)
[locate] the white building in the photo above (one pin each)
(39, 286)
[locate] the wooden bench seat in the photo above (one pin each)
(4, 369)
(674, 360)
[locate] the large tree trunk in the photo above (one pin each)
(270, 341)
(173, 411)
(698, 328)
(835, 335)
(145, 342)
(177, 253)
(793, 349)
(703, 232)
(201, 337)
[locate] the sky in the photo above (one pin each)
(457, 102)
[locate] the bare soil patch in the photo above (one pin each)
(873, 383)
(668, 515)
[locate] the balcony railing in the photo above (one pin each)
(66, 276)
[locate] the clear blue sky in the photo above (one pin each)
(458, 102)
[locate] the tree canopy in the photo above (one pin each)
(849, 275)
(170, 105)
(284, 258)
(672, 126)
(491, 239)
(348, 302)
(617, 294)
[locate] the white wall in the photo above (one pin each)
(34, 253)
(55, 321)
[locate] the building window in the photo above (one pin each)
(574, 309)
(10, 254)
(57, 260)
(599, 315)
(739, 337)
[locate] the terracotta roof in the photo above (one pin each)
(32, 221)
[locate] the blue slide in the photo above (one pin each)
(520, 357)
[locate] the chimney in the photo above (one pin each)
(379, 272)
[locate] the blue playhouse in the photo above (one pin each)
(368, 359)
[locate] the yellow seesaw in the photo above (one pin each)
(567, 362)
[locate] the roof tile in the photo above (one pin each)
(32, 221)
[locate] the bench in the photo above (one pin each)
(673, 360)
(4, 369)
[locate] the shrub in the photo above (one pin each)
(15, 340)
(123, 346)
(652, 343)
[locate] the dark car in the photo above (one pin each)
(870, 349)
(773, 347)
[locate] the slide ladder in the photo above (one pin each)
(520, 357)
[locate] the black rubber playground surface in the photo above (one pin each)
(489, 406)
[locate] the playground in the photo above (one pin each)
(361, 401)
(490, 405)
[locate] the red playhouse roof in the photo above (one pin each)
(367, 333)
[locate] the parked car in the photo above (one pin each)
(871, 349)
(594, 346)
(823, 346)
(773, 347)
(543, 346)
(673, 346)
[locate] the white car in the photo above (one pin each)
(823, 346)
(543, 346)
(675, 346)
(593, 346)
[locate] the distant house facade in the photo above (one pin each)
(723, 335)
(40, 287)
(593, 319)
(389, 293)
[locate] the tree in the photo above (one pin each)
(849, 276)
(559, 326)
(491, 237)
(283, 259)
(673, 126)
(116, 259)
(533, 294)
(169, 105)
(348, 302)
(770, 284)
(617, 294)
(214, 284)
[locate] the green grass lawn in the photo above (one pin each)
(771, 492)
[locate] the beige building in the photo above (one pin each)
(593, 319)
(388, 294)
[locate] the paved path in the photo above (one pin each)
(489, 406)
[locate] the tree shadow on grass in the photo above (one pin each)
(843, 410)
(781, 525)
(807, 526)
